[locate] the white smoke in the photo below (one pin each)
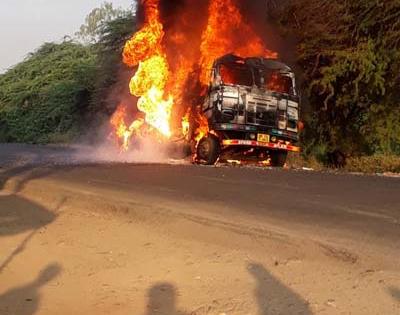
(103, 148)
(147, 151)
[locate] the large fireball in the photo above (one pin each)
(164, 61)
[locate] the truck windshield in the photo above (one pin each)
(277, 82)
(239, 74)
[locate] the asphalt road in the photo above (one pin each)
(316, 242)
(352, 208)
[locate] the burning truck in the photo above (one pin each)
(252, 110)
(196, 83)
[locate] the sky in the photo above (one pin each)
(26, 24)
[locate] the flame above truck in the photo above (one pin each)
(171, 65)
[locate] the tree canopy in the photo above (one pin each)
(350, 54)
(92, 29)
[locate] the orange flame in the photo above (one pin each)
(145, 50)
(203, 127)
(185, 124)
(123, 132)
(227, 32)
(164, 63)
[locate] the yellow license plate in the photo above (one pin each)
(262, 137)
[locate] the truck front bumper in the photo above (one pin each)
(253, 143)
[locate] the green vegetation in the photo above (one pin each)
(114, 35)
(57, 90)
(43, 98)
(350, 54)
(95, 21)
(377, 163)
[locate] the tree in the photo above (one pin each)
(95, 20)
(112, 75)
(350, 52)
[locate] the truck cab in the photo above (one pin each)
(252, 109)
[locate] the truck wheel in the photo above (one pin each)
(208, 150)
(278, 158)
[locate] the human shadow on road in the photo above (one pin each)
(25, 300)
(18, 215)
(30, 162)
(44, 162)
(24, 174)
(9, 173)
(13, 167)
(162, 300)
(273, 297)
(395, 293)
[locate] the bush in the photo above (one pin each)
(47, 93)
(374, 164)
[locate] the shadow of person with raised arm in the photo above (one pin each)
(16, 161)
(18, 215)
(162, 300)
(20, 176)
(25, 162)
(273, 297)
(25, 300)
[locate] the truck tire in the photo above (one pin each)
(278, 158)
(208, 150)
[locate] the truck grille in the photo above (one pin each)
(261, 114)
